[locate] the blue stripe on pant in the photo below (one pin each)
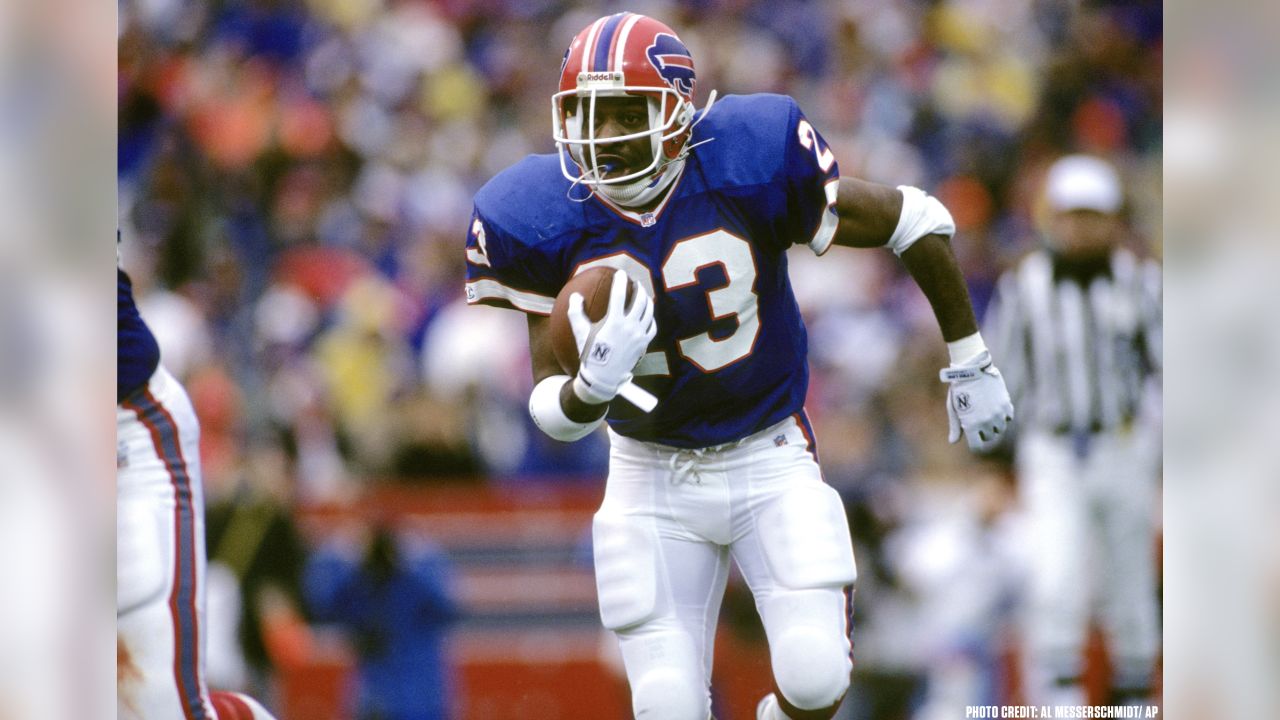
(182, 601)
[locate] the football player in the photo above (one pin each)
(160, 556)
(698, 207)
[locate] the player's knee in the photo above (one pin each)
(811, 667)
(670, 694)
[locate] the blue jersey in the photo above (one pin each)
(730, 355)
(137, 353)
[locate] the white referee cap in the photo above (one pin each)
(1083, 182)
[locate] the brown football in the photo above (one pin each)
(594, 285)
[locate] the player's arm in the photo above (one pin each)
(918, 229)
(868, 213)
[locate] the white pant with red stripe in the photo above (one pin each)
(160, 556)
(663, 537)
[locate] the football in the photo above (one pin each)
(594, 285)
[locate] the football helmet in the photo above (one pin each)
(623, 55)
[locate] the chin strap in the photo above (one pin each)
(576, 182)
(684, 153)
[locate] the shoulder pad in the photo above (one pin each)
(755, 129)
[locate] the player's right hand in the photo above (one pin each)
(611, 350)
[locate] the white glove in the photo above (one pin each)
(611, 349)
(977, 403)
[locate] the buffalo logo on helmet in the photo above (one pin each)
(673, 62)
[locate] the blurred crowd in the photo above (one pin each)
(295, 184)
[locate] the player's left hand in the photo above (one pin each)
(978, 403)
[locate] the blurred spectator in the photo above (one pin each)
(252, 535)
(962, 559)
(432, 440)
(365, 363)
(394, 596)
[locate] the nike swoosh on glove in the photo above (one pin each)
(978, 403)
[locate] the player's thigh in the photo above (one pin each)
(646, 560)
(159, 528)
(159, 495)
(647, 569)
(160, 558)
(792, 529)
(659, 586)
(159, 621)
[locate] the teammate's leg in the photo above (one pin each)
(1053, 493)
(160, 557)
(160, 564)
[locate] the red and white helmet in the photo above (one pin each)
(625, 55)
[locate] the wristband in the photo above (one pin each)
(548, 414)
(967, 349)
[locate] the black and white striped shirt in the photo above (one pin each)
(1077, 349)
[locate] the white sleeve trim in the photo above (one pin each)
(821, 241)
(487, 289)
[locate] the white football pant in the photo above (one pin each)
(1092, 530)
(669, 523)
(160, 557)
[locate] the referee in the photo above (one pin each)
(1077, 327)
